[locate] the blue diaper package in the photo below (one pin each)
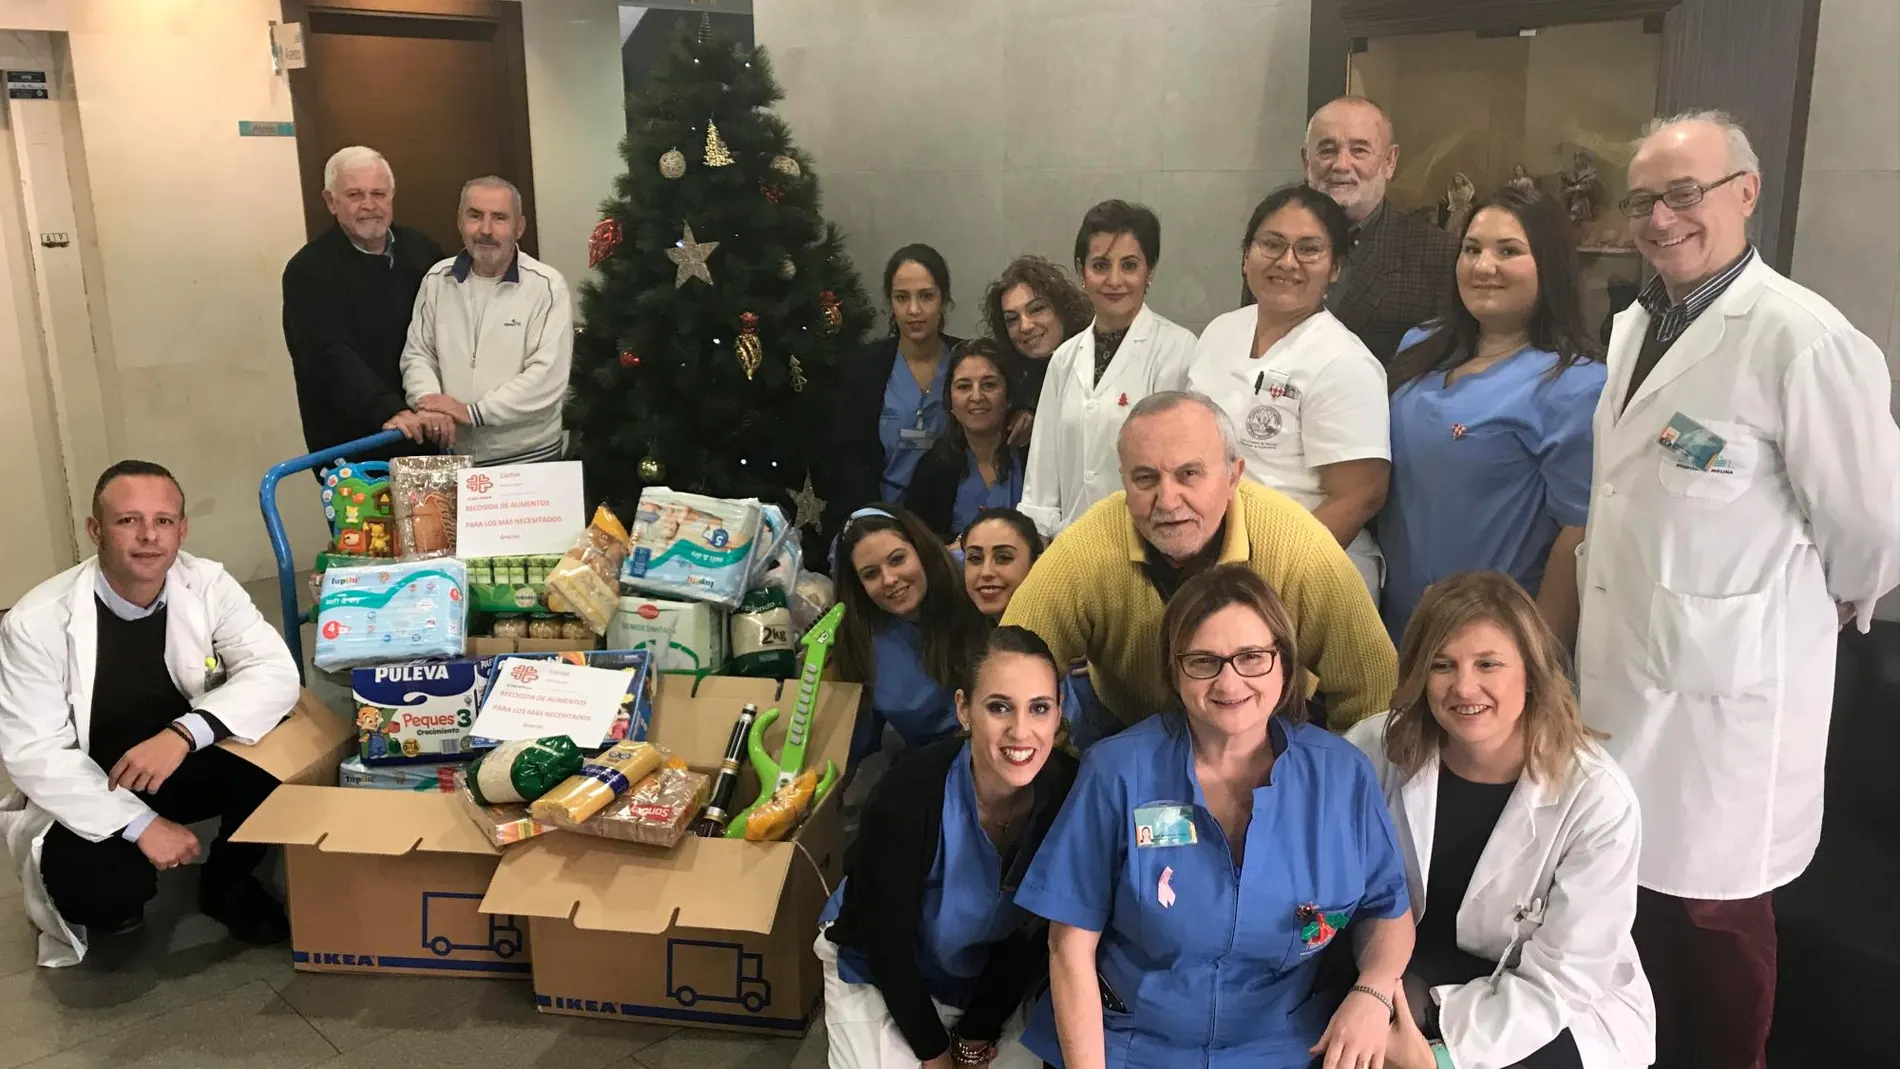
(692, 547)
(394, 611)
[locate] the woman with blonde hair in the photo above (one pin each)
(1520, 838)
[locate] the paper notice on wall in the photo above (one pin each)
(534, 699)
(519, 509)
(287, 39)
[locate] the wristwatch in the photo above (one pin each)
(1441, 1058)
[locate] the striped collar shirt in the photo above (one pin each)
(1672, 319)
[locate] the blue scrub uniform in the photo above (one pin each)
(903, 695)
(1484, 472)
(966, 908)
(910, 423)
(1211, 961)
(974, 495)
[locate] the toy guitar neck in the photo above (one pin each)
(798, 729)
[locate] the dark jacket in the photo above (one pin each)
(1399, 274)
(886, 868)
(346, 317)
(933, 489)
(857, 457)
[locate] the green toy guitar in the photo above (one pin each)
(774, 774)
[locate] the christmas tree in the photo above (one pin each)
(723, 301)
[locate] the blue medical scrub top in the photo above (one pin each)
(974, 495)
(904, 696)
(966, 907)
(910, 423)
(1484, 473)
(1210, 959)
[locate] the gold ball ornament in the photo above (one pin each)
(672, 163)
(787, 270)
(651, 469)
(786, 166)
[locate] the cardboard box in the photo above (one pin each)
(715, 933)
(387, 882)
(307, 747)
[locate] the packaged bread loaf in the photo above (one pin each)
(523, 771)
(588, 577)
(598, 783)
(657, 811)
(775, 820)
(423, 491)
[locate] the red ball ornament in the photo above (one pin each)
(602, 243)
(772, 194)
(629, 359)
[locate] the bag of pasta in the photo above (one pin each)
(597, 784)
(657, 811)
(588, 577)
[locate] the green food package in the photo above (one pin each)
(517, 772)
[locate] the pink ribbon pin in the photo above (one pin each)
(1164, 891)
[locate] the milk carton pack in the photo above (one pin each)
(417, 712)
(389, 612)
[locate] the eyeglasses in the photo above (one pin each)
(1640, 202)
(1306, 252)
(1249, 663)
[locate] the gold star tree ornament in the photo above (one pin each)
(690, 257)
(811, 507)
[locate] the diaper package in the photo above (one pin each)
(691, 546)
(682, 636)
(395, 611)
(437, 776)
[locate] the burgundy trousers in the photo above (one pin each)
(1711, 965)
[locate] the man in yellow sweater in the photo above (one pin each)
(1098, 591)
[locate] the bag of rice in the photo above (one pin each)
(522, 771)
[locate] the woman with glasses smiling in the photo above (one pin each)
(1305, 394)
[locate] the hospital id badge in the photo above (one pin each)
(1164, 824)
(1692, 444)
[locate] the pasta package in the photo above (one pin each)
(657, 811)
(522, 771)
(775, 820)
(597, 784)
(423, 493)
(502, 824)
(588, 578)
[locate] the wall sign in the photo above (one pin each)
(259, 128)
(27, 85)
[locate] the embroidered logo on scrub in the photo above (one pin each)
(1317, 926)
(1164, 891)
(1164, 824)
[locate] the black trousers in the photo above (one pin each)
(109, 882)
(1434, 966)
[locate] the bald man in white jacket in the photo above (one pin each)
(117, 679)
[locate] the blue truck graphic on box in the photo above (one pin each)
(451, 921)
(740, 974)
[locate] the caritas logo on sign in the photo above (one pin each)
(649, 612)
(524, 673)
(480, 483)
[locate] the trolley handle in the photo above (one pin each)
(280, 542)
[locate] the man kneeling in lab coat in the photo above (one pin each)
(117, 678)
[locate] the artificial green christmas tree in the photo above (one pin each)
(723, 301)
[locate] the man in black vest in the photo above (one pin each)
(348, 296)
(118, 678)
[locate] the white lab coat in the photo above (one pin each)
(48, 655)
(1072, 459)
(1315, 397)
(1552, 899)
(1706, 643)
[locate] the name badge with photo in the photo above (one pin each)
(1159, 824)
(1690, 443)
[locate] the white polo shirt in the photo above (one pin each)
(1315, 397)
